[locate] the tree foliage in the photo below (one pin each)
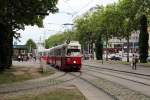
(143, 13)
(31, 45)
(60, 38)
(120, 20)
(143, 40)
(18, 13)
(54, 40)
(14, 15)
(83, 28)
(114, 20)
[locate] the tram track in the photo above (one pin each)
(94, 85)
(118, 86)
(114, 89)
(81, 76)
(123, 77)
(132, 74)
(63, 75)
(135, 73)
(35, 85)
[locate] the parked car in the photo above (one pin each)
(125, 54)
(115, 58)
(86, 56)
(148, 58)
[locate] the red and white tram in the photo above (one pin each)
(65, 56)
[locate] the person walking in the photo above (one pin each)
(34, 58)
(19, 58)
(134, 62)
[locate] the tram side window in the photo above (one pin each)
(63, 51)
(51, 53)
(54, 53)
(58, 52)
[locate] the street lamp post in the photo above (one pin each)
(102, 53)
(134, 40)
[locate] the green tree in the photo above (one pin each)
(143, 40)
(30, 45)
(98, 24)
(86, 31)
(70, 35)
(82, 28)
(60, 38)
(105, 23)
(143, 13)
(133, 10)
(14, 15)
(55, 40)
(114, 20)
(111, 21)
(129, 10)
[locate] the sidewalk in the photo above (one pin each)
(145, 70)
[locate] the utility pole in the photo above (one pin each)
(107, 45)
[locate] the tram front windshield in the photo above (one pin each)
(73, 52)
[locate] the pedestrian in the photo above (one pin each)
(134, 61)
(27, 57)
(34, 58)
(19, 58)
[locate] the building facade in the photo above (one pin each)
(19, 50)
(121, 44)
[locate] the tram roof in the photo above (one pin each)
(72, 43)
(43, 50)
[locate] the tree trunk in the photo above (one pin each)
(107, 51)
(99, 48)
(10, 49)
(6, 40)
(128, 48)
(3, 49)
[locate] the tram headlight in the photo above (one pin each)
(74, 62)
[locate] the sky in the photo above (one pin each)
(68, 11)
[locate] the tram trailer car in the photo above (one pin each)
(66, 56)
